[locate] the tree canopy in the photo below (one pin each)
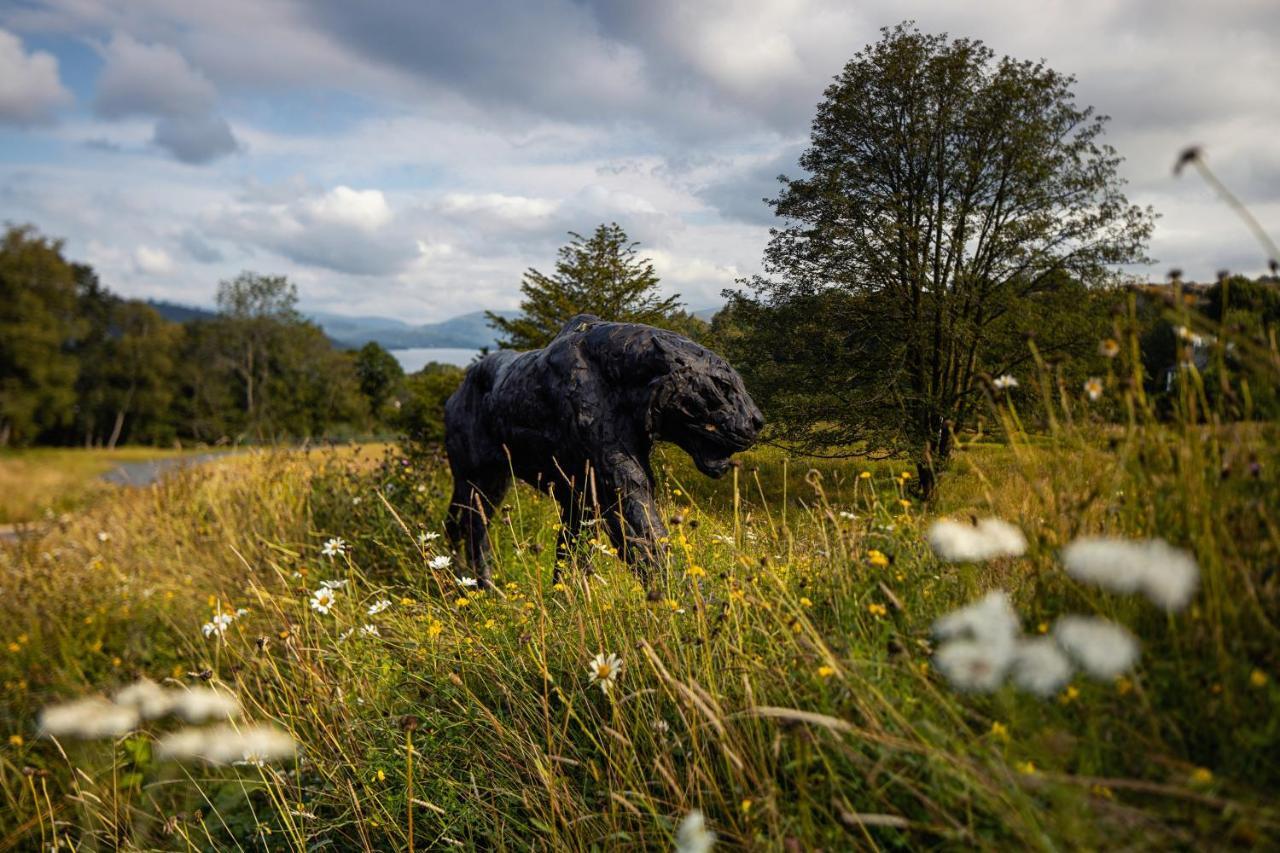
(951, 199)
(602, 275)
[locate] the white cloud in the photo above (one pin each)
(31, 91)
(150, 80)
(151, 261)
(366, 210)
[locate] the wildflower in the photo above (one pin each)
(1258, 678)
(805, 601)
(1093, 387)
(198, 704)
(987, 539)
(148, 698)
(973, 665)
(462, 601)
(333, 584)
(990, 620)
(217, 625)
(878, 610)
(439, 563)
(605, 670)
(355, 501)
(322, 599)
(1004, 382)
(380, 775)
(904, 503)
(905, 475)
(434, 629)
(746, 805)
(1201, 776)
(1071, 694)
(467, 582)
(864, 475)
(692, 836)
(93, 717)
(379, 606)
(1000, 730)
(847, 516)
(426, 538)
(877, 558)
(560, 587)
(335, 547)
(225, 744)
(825, 671)
(1040, 667)
(1027, 768)
(1166, 575)
(103, 536)
(696, 571)
(1102, 648)
(370, 630)
(1109, 348)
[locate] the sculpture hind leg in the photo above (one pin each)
(634, 525)
(470, 508)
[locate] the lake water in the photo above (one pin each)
(414, 358)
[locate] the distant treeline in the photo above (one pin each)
(80, 365)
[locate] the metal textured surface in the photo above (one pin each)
(578, 419)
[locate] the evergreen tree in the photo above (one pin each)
(599, 275)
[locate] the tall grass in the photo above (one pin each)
(780, 681)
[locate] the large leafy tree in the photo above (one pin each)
(951, 198)
(38, 325)
(380, 375)
(602, 275)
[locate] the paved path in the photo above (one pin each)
(141, 473)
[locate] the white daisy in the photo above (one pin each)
(439, 563)
(605, 670)
(1005, 382)
(379, 606)
(322, 599)
(424, 538)
(1093, 387)
(467, 581)
(987, 539)
(333, 584)
(1040, 667)
(218, 625)
(335, 547)
(370, 630)
(1103, 649)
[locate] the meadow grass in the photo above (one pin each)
(37, 482)
(780, 682)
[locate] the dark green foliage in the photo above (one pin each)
(38, 321)
(951, 199)
(422, 412)
(381, 377)
(599, 275)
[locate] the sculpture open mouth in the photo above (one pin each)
(712, 452)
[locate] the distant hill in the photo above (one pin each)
(466, 331)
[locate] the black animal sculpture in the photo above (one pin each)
(578, 418)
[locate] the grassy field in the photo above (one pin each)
(40, 481)
(783, 681)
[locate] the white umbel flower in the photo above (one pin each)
(1168, 576)
(990, 619)
(93, 717)
(692, 836)
(1103, 649)
(1040, 667)
(225, 744)
(987, 539)
(973, 665)
(604, 670)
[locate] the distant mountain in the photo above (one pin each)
(466, 331)
(175, 313)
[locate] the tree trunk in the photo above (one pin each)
(115, 430)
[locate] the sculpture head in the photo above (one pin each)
(703, 408)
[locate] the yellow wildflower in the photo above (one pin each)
(1027, 768)
(1069, 695)
(1000, 730)
(906, 475)
(865, 475)
(696, 571)
(1201, 776)
(1043, 628)
(877, 558)
(1102, 791)
(746, 805)
(15, 740)
(382, 777)
(878, 610)
(805, 602)
(462, 601)
(825, 671)
(491, 623)
(14, 648)
(906, 504)
(560, 587)
(407, 602)
(1258, 678)
(434, 629)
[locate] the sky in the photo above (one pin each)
(411, 158)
